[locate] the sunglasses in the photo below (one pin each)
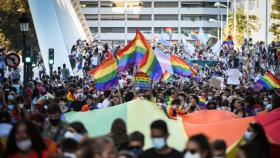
(192, 151)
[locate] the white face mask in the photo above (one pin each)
(24, 145)
(159, 143)
(20, 106)
(265, 103)
(268, 106)
(77, 137)
(248, 135)
(190, 155)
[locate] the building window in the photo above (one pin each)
(142, 29)
(109, 4)
(91, 16)
(89, 4)
(189, 17)
(166, 17)
(160, 29)
(139, 17)
(112, 30)
(112, 17)
(133, 4)
(166, 4)
(94, 29)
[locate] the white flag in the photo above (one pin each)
(201, 36)
(216, 48)
(188, 47)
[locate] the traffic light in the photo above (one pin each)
(34, 59)
(51, 56)
(27, 55)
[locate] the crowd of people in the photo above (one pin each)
(32, 115)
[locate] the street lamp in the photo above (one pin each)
(24, 27)
(218, 33)
(219, 5)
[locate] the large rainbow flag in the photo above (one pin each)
(181, 67)
(133, 53)
(106, 73)
(268, 81)
(150, 64)
(216, 124)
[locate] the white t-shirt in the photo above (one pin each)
(94, 60)
(104, 104)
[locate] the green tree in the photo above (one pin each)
(241, 26)
(275, 15)
(10, 35)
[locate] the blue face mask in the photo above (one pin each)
(10, 97)
(136, 151)
(159, 143)
(10, 106)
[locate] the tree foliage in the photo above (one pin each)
(241, 26)
(275, 15)
(10, 35)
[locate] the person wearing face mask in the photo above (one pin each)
(68, 148)
(136, 143)
(76, 131)
(159, 134)
(55, 128)
(256, 133)
(25, 141)
(198, 147)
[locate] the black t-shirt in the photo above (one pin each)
(151, 153)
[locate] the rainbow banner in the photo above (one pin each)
(181, 67)
(133, 53)
(142, 80)
(208, 122)
(268, 81)
(106, 73)
(194, 35)
(170, 111)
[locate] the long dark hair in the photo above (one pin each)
(261, 137)
(38, 144)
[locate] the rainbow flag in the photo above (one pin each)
(181, 67)
(106, 73)
(202, 102)
(150, 64)
(70, 97)
(132, 53)
(170, 112)
(166, 76)
(194, 35)
(168, 30)
(268, 81)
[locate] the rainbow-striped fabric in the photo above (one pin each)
(202, 102)
(166, 76)
(181, 67)
(268, 81)
(133, 53)
(70, 97)
(106, 73)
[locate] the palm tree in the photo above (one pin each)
(241, 26)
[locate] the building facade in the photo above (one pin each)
(117, 20)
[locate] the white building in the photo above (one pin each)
(117, 20)
(257, 8)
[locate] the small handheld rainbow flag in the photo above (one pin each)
(194, 35)
(170, 111)
(181, 67)
(268, 81)
(168, 30)
(202, 102)
(70, 97)
(106, 73)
